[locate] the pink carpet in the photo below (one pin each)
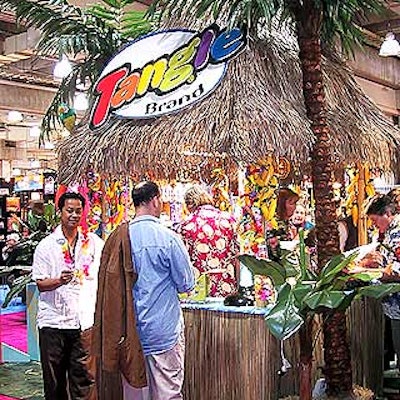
(2, 397)
(13, 331)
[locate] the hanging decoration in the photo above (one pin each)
(352, 191)
(95, 195)
(258, 203)
(220, 190)
(67, 116)
(282, 167)
(116, 199)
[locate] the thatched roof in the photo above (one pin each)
(258, 109)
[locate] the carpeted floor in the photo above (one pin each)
(14, 330)
(18, 381)
(21, 381)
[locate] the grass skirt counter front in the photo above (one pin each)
(230, 355)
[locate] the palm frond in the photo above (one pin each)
(340, 21)
(129, 23)
(338, 17)
(94, 34)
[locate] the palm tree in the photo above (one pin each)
(318, 25)
(90, 35)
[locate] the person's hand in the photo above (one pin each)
(66, 277)
(373, 259)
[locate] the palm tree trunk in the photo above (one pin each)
(337, 350)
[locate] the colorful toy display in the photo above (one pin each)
(258, 203)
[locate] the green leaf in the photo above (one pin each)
(350, 296)
(284, 319)
(17, 287)
(112, 3)
(302, 258)
(292, 270)
(302, 289)
(272, 269)
(334, 267)
(364, 276)
(331, 299)
(378, 291)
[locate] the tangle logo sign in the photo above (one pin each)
(164, 72)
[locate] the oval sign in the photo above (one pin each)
(164, 72)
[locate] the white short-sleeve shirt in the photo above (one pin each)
(69, 306)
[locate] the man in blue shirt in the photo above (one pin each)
(164, 270)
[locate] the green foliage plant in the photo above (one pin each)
(302, 292)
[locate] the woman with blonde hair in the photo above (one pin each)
(195, 197)
(211, 238)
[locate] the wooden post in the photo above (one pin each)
(362, 218)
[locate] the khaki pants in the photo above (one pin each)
(165, 373)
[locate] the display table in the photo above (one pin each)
(231, 355)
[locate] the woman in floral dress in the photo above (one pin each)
(211, 238)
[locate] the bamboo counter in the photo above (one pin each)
(230, 355)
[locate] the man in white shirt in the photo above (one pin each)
(65, 267)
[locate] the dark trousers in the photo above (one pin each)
(64, 374)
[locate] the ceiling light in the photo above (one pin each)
(35, 164)
(35, 131)
(63, 68)
(390, 46)
(14, 116)
(81, 102)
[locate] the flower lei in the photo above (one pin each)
(79, 274)
(263, 289)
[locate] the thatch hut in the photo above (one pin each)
(258, 109)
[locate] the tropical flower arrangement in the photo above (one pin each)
(264, 292)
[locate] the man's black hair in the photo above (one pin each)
(70, 195)
(380, 205)
(143, 192)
